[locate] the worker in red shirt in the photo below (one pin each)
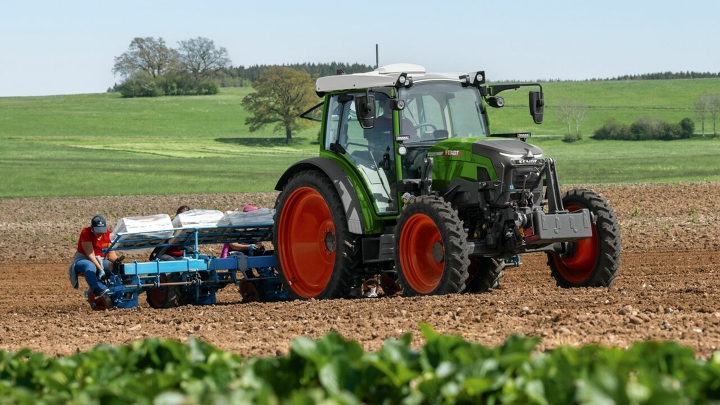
(89, 260)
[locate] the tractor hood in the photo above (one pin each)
(504, 152)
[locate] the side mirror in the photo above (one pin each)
(537, 106)
(365, 108)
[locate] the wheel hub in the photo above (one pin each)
(437, 252)
(329, 241)
(569, 250)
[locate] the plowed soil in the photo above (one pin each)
(667, 288)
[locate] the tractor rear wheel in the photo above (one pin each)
(315, 253)
(165, 296)
(484, 274)
(431, 249)
(591, 262)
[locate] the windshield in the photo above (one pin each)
(440, 110)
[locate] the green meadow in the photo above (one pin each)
(102, 144)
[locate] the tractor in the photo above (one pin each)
(412, 187)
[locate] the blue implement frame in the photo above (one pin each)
(197, 276)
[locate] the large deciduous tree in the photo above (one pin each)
(201, 58)
(148, 55)
(282, 94)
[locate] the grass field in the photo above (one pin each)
(101, 144)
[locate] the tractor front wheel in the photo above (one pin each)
(431, 248)
(315, 252)
(591, 262)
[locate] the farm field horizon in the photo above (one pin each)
(200, 144)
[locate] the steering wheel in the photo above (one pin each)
(425, 124)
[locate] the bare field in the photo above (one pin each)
(667, 288)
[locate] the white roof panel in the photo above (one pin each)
(383, 76)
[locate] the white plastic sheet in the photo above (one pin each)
(150, 226)
(200, 218)
(260, 216)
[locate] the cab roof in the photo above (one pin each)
(384, 76)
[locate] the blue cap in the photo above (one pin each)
(98, 224)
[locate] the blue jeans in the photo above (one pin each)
(87, 269)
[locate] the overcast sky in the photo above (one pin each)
(50, 47)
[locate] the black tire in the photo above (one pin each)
(484, 274)
(431, 251)
(315, 253)
(164, 297)
(591, 262)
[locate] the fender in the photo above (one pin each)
(345, 189)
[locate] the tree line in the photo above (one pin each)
(241, 76)
(197, 66)
(669, 75)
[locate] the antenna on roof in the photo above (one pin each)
(377, 57)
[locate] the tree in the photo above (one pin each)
(702, 109)
(148, 55)
(566, 114)
(572, 112)
(579, 115)
(200, 58)
(714, 110)
(282, 94)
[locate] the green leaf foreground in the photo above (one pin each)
(333, 370)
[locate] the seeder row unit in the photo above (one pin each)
(193, 278)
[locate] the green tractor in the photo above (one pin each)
(411, 185)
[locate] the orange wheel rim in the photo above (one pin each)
(307, 242)
(422, 254)
(578, 267)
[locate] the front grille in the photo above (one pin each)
(527, 177)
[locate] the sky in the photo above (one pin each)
(53, 47)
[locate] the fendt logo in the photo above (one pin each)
(446, 153)
(527, 161)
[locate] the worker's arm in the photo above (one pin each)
(90, 253)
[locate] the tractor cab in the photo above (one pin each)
(384, 122)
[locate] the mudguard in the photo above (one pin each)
(345, 189)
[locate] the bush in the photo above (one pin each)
(688, 128)
(645, 128)
(570, 138)
(171, 84)
(142, 85)
(670, 131)
(613, 129)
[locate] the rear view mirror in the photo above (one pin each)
(537, 106)
(365, 107)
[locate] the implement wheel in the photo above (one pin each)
(248, 292)
(591, 262)
(165, 296)
(484, 274)
(100, 304)
(431, 249)
(314, 251)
